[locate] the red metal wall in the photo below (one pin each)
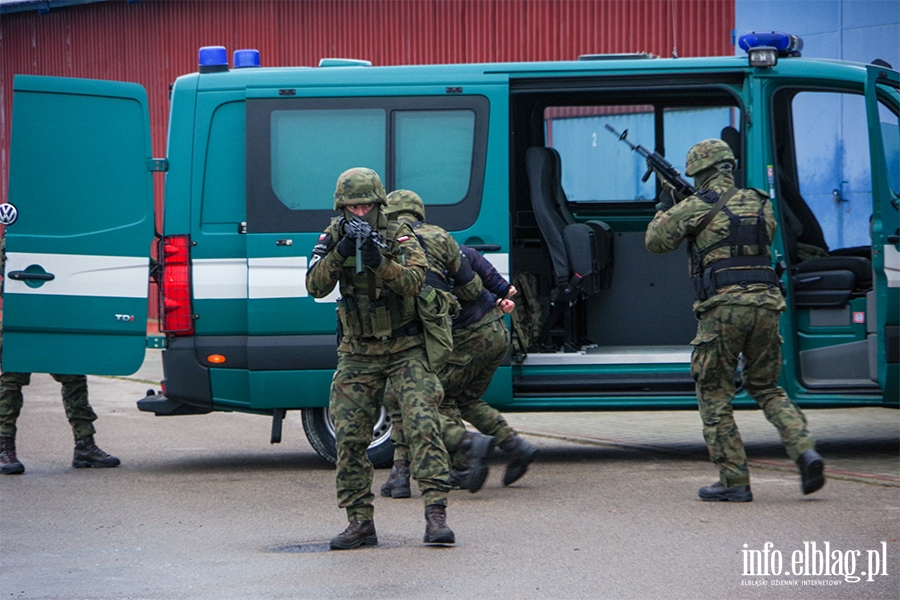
(153, 42)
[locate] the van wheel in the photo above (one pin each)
(320, 432)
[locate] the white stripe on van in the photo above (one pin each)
(258, 278)
(219, 278)
(283, 277)
(82, 275)
(892, 265)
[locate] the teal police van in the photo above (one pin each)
(517, 160)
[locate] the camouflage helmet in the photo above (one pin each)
(358, 186)
(706, 154)
(400, 201)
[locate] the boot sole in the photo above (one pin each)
(389, 492)
(747, 497)
(372, 540)
(444, 538)
(17, 469)
(83, 464)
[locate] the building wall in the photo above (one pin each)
(855, 30)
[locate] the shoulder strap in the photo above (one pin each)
(707, 219)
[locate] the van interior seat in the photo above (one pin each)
(819, 281)
(581, 254)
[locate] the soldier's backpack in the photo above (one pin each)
(526, 318)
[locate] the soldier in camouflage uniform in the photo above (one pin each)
(480, 344)
(381, 345)
(447, 270)
(75, 400)
(738, 305)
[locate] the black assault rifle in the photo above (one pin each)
(656, 162)
(361, 231)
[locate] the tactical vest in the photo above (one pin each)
(370, 309)
(748, 243)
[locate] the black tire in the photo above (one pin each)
(320, 433)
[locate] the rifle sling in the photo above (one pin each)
(707, 219)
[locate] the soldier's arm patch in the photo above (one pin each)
(402, 239)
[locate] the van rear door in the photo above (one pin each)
(77, 267)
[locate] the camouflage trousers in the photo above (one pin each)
(478, 350)
(357, 393)
(724, 333)
(74, 396)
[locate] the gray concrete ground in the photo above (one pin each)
(204, 508)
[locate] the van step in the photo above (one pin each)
(616, 384)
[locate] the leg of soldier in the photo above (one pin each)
(397, 484)
(419, 393)
(488, 345)
(11, 401)
(10, 407)
(762, 366)
(720, 338)
(357, 391)
(78, 409)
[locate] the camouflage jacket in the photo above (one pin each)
(444, 258)
(402, 270)
(668, 229)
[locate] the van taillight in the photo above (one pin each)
(175, 287)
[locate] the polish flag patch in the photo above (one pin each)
(402, 239)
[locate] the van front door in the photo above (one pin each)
(883, 113)
(77, 256)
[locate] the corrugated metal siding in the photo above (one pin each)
(153, 42)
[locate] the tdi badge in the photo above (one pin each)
(8, 214)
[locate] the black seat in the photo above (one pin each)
(580, 253)
(824, 281)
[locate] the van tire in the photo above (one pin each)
(320, 433)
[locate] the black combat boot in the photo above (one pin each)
(458, 477)
(88, 454)
(397, 485)
(9, 462)
(719, 492)
(476, 447)
(812, 471)
(436, 530)
(357, 534)
(521, 454)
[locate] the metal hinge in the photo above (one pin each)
(159, 165)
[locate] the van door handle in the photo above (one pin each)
(25, 276)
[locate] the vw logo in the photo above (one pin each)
(8, 214)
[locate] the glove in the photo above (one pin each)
(371, 255)
(666, 200)
(346, 246)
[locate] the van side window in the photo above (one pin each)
(434, 153)
(590, 153)
(224, 179)
(297, 147)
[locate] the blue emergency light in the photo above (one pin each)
(246, 58)
(213, 59)
(764, 47)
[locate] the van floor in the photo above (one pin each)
(613, 355)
